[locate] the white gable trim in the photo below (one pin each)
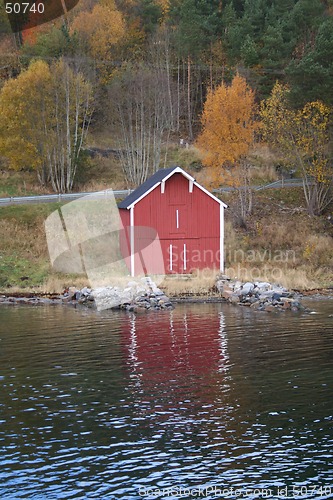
(143, 195)
(177, 170)
(210, 194)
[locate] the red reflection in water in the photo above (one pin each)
(176, 349)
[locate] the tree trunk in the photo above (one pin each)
(189, 103)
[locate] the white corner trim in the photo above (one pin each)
(221, 238)
(177, 219)
(162, 187)
(170, 255)
(185, 263)
(190, 186)
(132, 240)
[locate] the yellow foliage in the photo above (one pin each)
(228, 128)
(308, 250)
(100, 30)
(23, 103)
(302, 135)
(165, 5)
(303, 138)
(43, 112)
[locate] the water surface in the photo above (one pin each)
(208, 401)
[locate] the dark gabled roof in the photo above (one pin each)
(141, 190)
(155, 180)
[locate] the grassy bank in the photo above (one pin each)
(280, 244)
(24, 260)
(102, 172)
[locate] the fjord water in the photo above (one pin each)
(112, 405)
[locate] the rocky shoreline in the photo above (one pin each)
(134, 297)
(259, 295)
(144, 295)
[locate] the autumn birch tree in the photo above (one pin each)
(98, 32)
(227, 136)
(71, 99)
(24, 102)
(303, 138)
(45, 114)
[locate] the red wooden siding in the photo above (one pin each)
(200, 254)
(125, 217)
(197, 216)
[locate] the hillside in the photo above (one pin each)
(280, 244)
(236, 91)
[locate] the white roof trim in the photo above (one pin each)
(144, 194)
(177, 170)
(210, 194)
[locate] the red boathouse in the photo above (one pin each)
(188, 220)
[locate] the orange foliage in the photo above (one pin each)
(228, 128)
(29, 36)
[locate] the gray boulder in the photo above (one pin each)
(247, 288)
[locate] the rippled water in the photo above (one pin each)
(206, 401)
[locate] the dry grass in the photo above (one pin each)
(101, 173)
(23, 249)
(264, 163)
(278, 246)
(95, 174)
(300, 278)
(292, 250)
(305, 278)
(318, 250)
(263, 174)
(99, 136)
(180, 156)
(201, 282)
(20, 184)
(57, 284)
(93, 186)
(282, 233)
(233, 241)
(22, 238)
